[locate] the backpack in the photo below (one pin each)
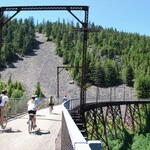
(0, 99)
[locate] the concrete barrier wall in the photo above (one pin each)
(77, 140)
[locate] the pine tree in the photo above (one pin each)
(128, 75)
(38, 90)
(142, 86)
(111, 73)
(99, 77)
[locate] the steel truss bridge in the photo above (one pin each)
(112, 118)
(96, 120)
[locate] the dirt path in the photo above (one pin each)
(41, 66)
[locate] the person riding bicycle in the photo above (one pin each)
(51, 104)
(32, 107)
(65, 98)
(3, 100)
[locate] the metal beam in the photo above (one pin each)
(39, 8)
(9, 19)
(58, 72)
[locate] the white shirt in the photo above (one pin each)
(65, 98)
(31, 105)
(4, 99)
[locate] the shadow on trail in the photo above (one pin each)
(10, 130)
(42, 132)
(40, 115)
(55, 114)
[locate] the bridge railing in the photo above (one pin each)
(71, 104)
(72, 139)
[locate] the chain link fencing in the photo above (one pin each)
(19, 106)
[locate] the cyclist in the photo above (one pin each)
(51, 104)
(65, 98)
(32, 107)
(4, 99)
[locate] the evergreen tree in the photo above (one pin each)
(128, 75)
(111, 73)
(99, 77)
(38, 90)
(9, 80)
(16, 93)
(142, 86)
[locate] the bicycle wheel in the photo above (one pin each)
(51, 109)
(30, 126)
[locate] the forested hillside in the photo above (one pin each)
(113, 57)
(18, 40)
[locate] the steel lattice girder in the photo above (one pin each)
(112, 117)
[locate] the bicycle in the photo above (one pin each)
(31, 125)
(3, 126)
(51, 104)
(51, 108)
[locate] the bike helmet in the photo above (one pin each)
(33, 96)
(4, 91)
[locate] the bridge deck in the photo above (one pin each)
(18, 137)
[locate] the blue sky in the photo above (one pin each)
(124, 15)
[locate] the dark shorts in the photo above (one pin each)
(32, 112)
(51, 104)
